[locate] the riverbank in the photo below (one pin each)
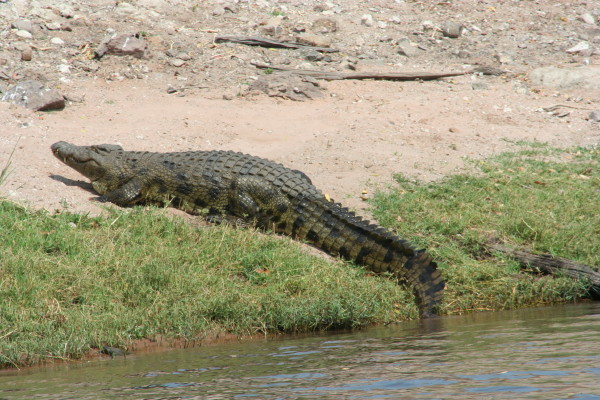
(70, 282)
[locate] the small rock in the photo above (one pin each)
(367, 20)
(273, 26)
(183, 56)
(566, 78)
(313, 40)
(23, 34)
(520, 88)
(45, 13)
(64, 69)
(588, 19)
(125, 9)
(122, 45)
(427, 25)
(381, 24)
(22, 25)
(66, 11)
(479, 85)
(35, 96)
(349, 63)
(405, 48)
(176, 62)
(312, 55)
(324, 25)
(293, 87)
(463, 54)
(578, 48)
(395, 19)
(57, 40)
(228, 97)
(452, 29)
(503, 58)
(53, 26)
(26, 54)
(594, 116)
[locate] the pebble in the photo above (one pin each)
(427, 25)
(23, 34)
(123, 45)
(53, 26)
(463, 54)
(183, 56)
(124, 8)
(64, 69)
(452, 30)
(405, 48)
(66, 11)
(273, 25)
(594, 116)
(503, 58)
(349, 63)
(314, 40)
(57, 40)
(325, 25)
(35, 96)
(566, 78)
(176, 62)
(313, 55)
(23, 25)
(579, 47)
(479, 85)
(26, 54)
(367, 20)
(588, 19)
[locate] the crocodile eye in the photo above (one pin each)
(107, 147)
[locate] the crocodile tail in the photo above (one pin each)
(338, 231)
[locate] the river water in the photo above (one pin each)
(542, 353)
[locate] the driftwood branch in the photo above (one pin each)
(396, 76)
(552, 265)
(257, 41)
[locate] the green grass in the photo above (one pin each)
(543, 198)
(71, 282)
(6, 170)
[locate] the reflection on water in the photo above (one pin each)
(547, 353)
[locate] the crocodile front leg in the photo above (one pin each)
(125, 195)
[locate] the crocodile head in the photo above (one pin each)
(98, 163)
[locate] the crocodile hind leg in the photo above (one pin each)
(256, 203)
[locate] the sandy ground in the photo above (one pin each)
(355, 138)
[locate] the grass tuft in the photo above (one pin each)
(6, 170)
(539, 197)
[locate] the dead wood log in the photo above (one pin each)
(396, 76)
(552, 265)
(258, 41)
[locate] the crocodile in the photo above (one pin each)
(226, 185)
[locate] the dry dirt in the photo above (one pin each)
(354, 138)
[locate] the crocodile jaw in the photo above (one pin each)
(87, 160)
